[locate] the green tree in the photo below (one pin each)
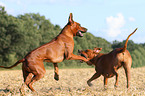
(10, 36)
(22, 34)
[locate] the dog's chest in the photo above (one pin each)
(108, 75)
(58, 59)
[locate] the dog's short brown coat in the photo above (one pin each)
(108, 64)
(60, 48)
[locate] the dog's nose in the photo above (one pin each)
(86, 29)
(100, 48)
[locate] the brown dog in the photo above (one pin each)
(60, 48)
(108, 64)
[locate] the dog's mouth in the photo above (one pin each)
(81, 54)
(79, 33)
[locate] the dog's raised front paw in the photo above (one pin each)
(89, 63)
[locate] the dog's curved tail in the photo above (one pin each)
(22, 60)
(125, 45)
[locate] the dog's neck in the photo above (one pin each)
(67, 31)
(95, 58)
(91, 58)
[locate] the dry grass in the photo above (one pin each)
(73, 83)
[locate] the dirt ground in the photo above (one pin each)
(73, 83)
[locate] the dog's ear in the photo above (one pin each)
(97, 50)
(71, 18)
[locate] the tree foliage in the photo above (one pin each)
(20, 35)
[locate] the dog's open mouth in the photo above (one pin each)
(83, 55)
(79, 52)
(79, 33)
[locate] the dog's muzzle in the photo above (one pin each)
(79, 33)
(79, 51)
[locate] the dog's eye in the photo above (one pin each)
(79, 24)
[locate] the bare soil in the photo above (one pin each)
(73, 83)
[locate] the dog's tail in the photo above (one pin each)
(13, 65)
(125, 45)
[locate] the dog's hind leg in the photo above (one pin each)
(27, 79)
(34, 79)
(56, 75)
(96, 75)
(127, 72)
(38, 74)
(35, 70)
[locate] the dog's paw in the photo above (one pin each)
(89, 63)
(89, 84)
(56, 77)
(116, 86)
(105, 87)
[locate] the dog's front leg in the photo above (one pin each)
(117, 79)
(56, 76)
(77, 57)
(105, 82)
(96, 75)
(117, 76)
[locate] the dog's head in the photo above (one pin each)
(76, 27)
(90, 53)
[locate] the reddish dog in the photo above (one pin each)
(60, 48)
(108, 64)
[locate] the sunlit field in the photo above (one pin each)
(73, 83)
